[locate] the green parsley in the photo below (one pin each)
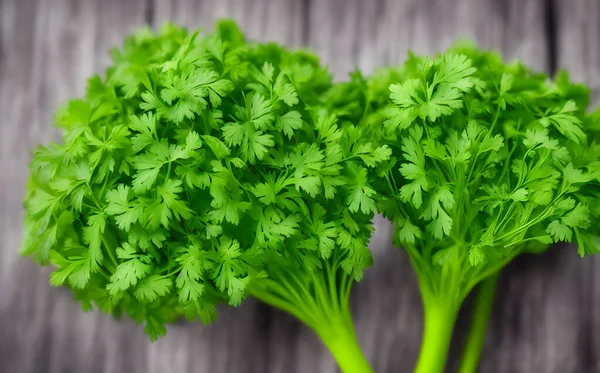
(489, 160)
(200, 170)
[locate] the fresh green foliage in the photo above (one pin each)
(199, 169)
(489, 160)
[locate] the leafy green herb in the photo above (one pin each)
(200, 170)
(489, 160)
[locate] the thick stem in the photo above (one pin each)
(481, 315)
(439, 318)
(340, 339)
(321, 302)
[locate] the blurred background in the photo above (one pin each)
(546, 316)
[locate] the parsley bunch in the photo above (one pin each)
(202, 169)
(489, 160)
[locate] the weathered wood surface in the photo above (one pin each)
(545, 318)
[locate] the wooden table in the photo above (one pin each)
(547, 314)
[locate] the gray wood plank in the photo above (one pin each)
(274, 20)
(536, 324)
(16, 50)
(577, 28)
(369, 34)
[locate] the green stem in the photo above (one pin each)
(438, 325)
(334, 327)
(109, 250)
(319, 300)
(481, 315)
(340, 339)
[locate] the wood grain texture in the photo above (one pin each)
(274, 20)
(544, 317)
(49, 48)
(370, 34)
(577, 49)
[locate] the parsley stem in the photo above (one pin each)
(340, 338)
(178, 269)
(279, 302)
(320, 300)
(109, 250)
(439, 317)
(104, 273)
(331, 277)
(302, 301)
(168, 174)
(103, 186)
(92, 196)
(486, 272)
(534, 221)
(506, 218)
(495, 118)
(480, 316)
(416, 260)
(391, 175)
(393, 188)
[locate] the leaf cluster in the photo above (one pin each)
(197, 164)
(488, 160)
